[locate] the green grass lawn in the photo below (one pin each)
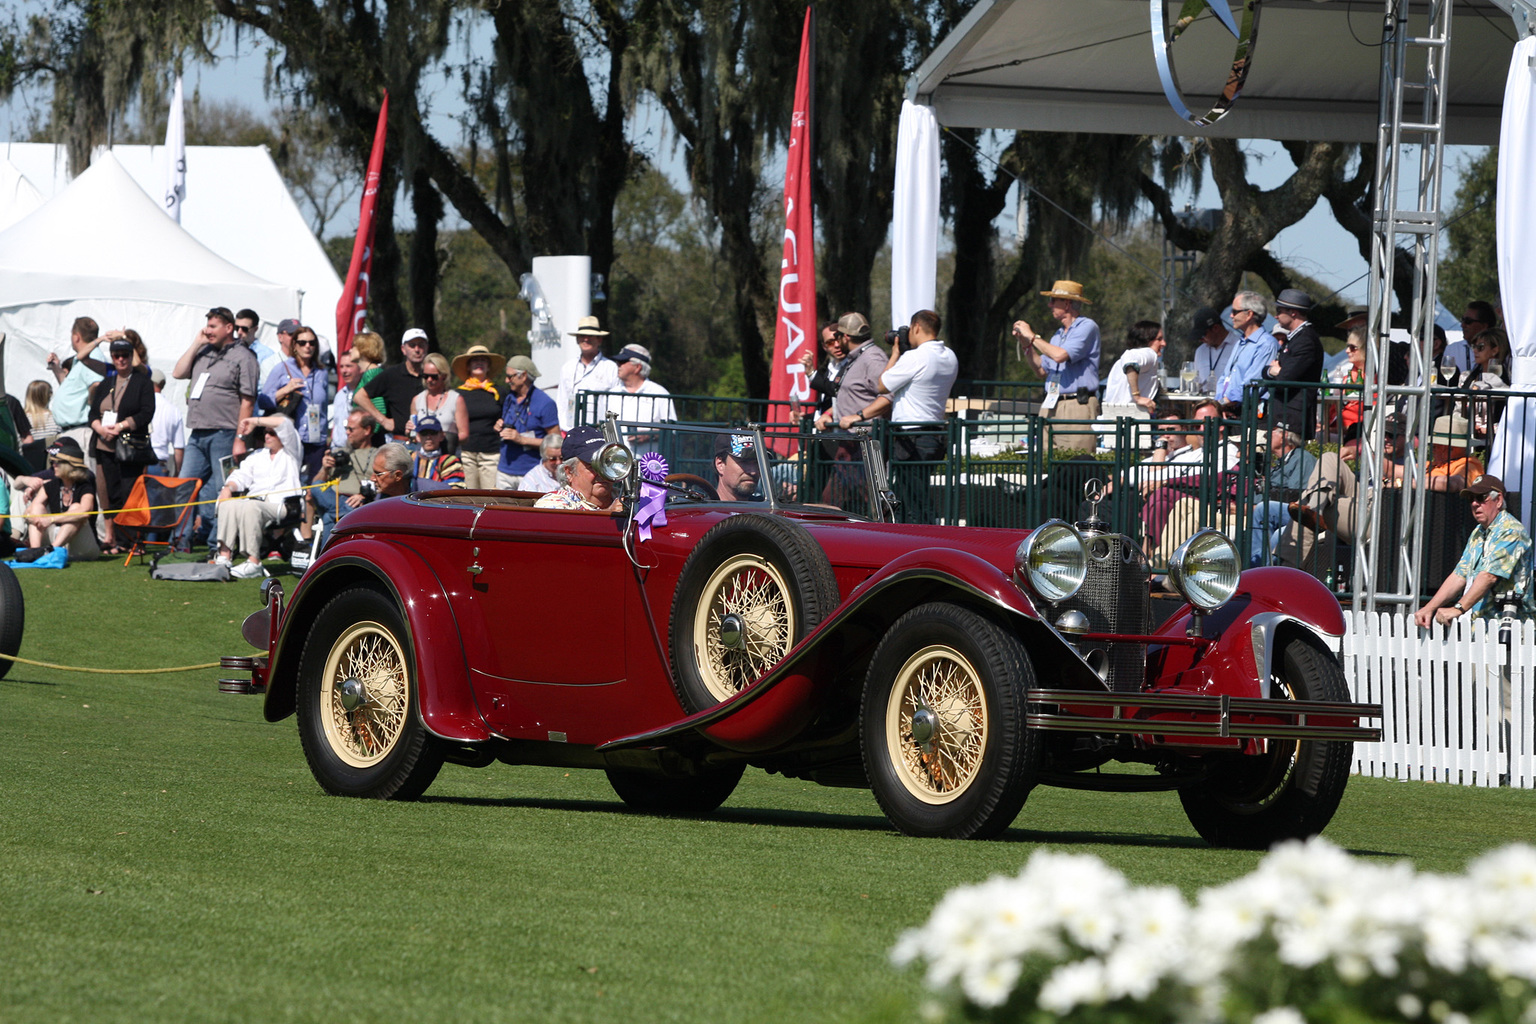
(165, 855)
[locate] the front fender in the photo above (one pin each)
(444, 698)
(785, 699)
(1244, 634)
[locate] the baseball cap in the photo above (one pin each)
(289, 326)
(853, 325)
(1204, 319)
(1483, 485)
(413, 334)
(157, 378)
(742, 446)
(636, 352)
(582, 443)
(66, 446)
(431, 423)
(121, 347)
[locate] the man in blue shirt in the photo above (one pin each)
(1256, 347)
(527, 414)
(1069, 362)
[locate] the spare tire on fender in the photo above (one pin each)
(753, 588)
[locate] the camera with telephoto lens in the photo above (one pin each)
(343, 459)
(369, 490)
(899, 337)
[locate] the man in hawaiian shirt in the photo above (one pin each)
(1495, 568)
(584, 489)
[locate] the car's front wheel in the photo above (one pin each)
(1291, 792)
(945, 746)
(357, 716)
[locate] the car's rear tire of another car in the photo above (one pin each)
(13, 617)
(943, 730)
(1252, 802)
(378, 748)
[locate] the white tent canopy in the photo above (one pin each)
(102, 248)
(18, 196)
(236, 204)
(1040, 65)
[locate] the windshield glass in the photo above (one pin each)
(755, 465)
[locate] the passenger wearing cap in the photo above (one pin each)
(122, 407)
(167, 431)
(589, 371)
(1214, 347)
(736, 467)
(1493, 577)
(1069, 362)
(397, 385)
(225, 379)
(644, 400)
(858, 382)
(1300, 359)
(433, 468)
(528, 415)
(58, 516)
(585, 489)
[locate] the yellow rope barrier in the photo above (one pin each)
(335, 484)
(109, 671)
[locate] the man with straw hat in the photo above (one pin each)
(1450, 467)
(589, 371)
(1069, 362)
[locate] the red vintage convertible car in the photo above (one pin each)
(802, 630)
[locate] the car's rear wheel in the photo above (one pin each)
(945, 746)
(1292, 791)
(659, 794)
(357, 716)
(13, 617)
(751, 590)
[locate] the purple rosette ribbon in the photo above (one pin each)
(653, 497)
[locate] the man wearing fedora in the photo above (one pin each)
(527, 415)
(1494, 575)
(589, 371)
(1300, 359)
(1069, 362)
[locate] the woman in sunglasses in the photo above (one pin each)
(1347, 407)
(121, 407)
(436, 401)
(297, 387)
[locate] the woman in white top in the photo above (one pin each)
(437, 400)
(267, 476)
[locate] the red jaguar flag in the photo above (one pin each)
(796, 326)
(352, 310)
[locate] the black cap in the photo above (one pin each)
(1294, 298)
(1204, 319)
(1483, 485)
(582, 443)
(742, 446)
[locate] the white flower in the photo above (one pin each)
(990, 985)
(1072, 985)
(1409, 1005)
(1280, 1015)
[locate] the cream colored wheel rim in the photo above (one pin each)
(754, 591)
(364, 735)
(942, 684)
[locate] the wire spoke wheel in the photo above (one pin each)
(743, 625)
(936, 724)
(364, 694)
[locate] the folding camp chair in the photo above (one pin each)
(157, 504)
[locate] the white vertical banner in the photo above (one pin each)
(915, 217)
(175, 156)
(1513, 458)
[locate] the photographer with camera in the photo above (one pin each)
(352, 467)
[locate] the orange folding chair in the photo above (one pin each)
(157, 504)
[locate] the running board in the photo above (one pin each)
(1220, 715)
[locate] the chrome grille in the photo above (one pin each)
(1115, 599)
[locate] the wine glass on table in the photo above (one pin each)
(1187, 378)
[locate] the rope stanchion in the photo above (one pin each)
(108, 671)
(334, 484)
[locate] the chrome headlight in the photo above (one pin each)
(614, 462)
(1204, 570)
(1052, 560)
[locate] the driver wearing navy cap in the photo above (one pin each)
(736, 466)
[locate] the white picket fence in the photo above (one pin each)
(1457, 703)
